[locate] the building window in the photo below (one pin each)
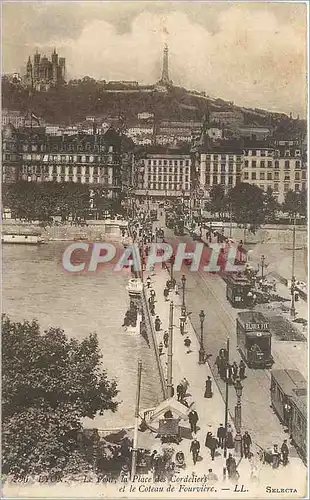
(214, 179)
(246, 175)
(297, 164)
(253, 176)
(303, 186)
(296, 187)
(262, 176)
(215, 169)
(286, 188)
(223, 168)
(230, 180)
(269, 176)
(303, 175)
(207, 180)
(263, 153)
(287, 153)
(253, 163)
(222, 179)
(246, 163)
(276, 187)
(276, 164)
(287, 164)
(269, 164)
(262, 164)
(297, 176)
(286, 177)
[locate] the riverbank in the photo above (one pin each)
(94, 230)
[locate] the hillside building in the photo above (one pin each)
(42, 73)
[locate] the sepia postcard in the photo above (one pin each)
(155, 249)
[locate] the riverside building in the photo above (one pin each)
(32, 155)
(163, 173)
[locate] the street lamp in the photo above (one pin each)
(238, 438)
(183, 280)
(293, 309)
(202, 353)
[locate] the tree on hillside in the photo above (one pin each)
(247, 203)
(50, 382)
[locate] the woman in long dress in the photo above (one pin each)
(229, 438)
(208, 390)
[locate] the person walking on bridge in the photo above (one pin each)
(193, 419)
(195, 449)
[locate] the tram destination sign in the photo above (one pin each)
(252, 327)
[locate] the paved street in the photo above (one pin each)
(211, 411)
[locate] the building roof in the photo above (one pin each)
(174, 406)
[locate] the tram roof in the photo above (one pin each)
(237, 280)
(289, 380)
(252, 317)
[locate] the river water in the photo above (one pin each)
(36, 286)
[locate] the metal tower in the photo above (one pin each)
(165, 71)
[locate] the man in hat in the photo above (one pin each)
(193, 419)
(194, 449)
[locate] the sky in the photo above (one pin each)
(251, 53)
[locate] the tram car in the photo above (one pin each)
(288, 394)
(237, 289)
(254, 339)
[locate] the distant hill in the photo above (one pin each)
(72, 103)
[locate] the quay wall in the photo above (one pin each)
(94, 231)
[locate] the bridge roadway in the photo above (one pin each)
(207, 291)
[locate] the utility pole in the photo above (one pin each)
(293, 310)
(230, 222)
(170, 341)
(226, 397)
(135, 437)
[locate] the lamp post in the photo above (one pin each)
(172, 259)
(202, 353)
(262, 265)
(293, 310)
(183, 280)
(238, 438)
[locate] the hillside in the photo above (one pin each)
(72, 103)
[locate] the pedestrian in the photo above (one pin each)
(168, 284)
(217, 363)
(153, 294)
(208, 390)
(193, 419)
(166, 338)
(211, 477)
(208, 437)
(152, 309)
(231, 466)
(213, 444)
(185, 384)
(229, 438)
(285, 452)
(234, 371)
(160, 348)
(247, 441)
(157, 324)
(275, 457)
(166, 294)
(194, 449)
(242, 369)
(176, 289)
(180, 391)
(221, 435)
(187, 343)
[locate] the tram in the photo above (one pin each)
(254, 339)
(237, 289)
(288, 394)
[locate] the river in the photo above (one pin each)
(36, 286)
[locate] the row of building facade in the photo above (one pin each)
(108, 160)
